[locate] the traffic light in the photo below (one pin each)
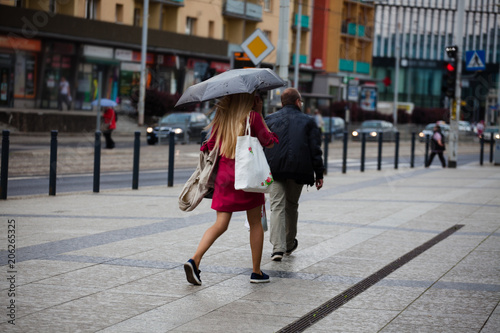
(451, 71)
(451, 78)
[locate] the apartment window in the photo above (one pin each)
(267, 33)
(267, 5)
(190, 26)
(119, 13)
(92, 9)
(211, 29)
(137, 17)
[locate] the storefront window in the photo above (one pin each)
(88, 83)
(25, 69)
(59, 62)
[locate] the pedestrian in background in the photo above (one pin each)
(108, 126)
(229, 123)
(437, 146)
(319, 120)
(64, 94)
(295, 162)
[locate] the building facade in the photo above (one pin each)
(423, 29)
(188, 41)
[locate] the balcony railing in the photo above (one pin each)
(346, 65)
(302, 59)
(304, 21)
(236, 8)
(359, 30)
(177, 3)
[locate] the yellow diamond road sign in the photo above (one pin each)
(257, 46)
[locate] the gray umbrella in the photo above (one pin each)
(234, 81)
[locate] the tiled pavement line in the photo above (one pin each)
(336, 302)
(72, 244)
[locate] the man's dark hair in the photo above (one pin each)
(289, 96)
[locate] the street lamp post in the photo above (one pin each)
(142, 87)
(396, 78)
(282, 59)
(455, 105)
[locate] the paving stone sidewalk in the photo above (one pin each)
(112, 261)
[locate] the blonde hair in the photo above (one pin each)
(230, 120)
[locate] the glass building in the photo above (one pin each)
(422, 29)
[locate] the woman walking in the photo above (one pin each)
(437, 146)
(229, 123)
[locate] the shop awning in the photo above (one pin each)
(102, 61)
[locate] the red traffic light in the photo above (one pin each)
(450, 67)
(387, 81)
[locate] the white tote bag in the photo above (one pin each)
(251, 170)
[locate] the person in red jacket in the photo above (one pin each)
(228, 123)
(109, 120)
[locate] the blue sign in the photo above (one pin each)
(475, 60)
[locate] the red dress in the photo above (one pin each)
(226, 198)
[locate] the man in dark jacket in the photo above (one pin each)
(296, 161)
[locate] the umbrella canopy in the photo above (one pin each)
(234, 81)
(105, 102)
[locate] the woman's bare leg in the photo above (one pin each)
(256, 236)
(211, 235)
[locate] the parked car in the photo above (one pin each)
(337, 127)
(187, 126)
(372, 128)
(490, 132)
(465, 127)
(429, 130)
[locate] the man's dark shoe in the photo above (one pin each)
(192, 272)
(294, 247)
(259, 278)
(277, 256)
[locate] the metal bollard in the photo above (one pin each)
(396, 151)
(481, 154)
(363, 148)
(412, 158)
(137, 149)
(327, 140)
(4, 174)
(344, 154)
(427, 139)
(171, 155)
(97, 161)
(379, 156)
(53, 163)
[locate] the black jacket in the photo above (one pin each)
(298, 155)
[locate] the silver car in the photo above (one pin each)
(373, 128)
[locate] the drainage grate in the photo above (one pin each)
(325, 309)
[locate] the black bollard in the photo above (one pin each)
(53, 163)
(344, 154)
(4, 174)
(327, 140)
(171, 155)
(481, 154)
(379, 158)
(412, 158)
(396, 152)
(427, 139)
(137, 149)
(97, 161)
(492, 144)
(363, 148)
